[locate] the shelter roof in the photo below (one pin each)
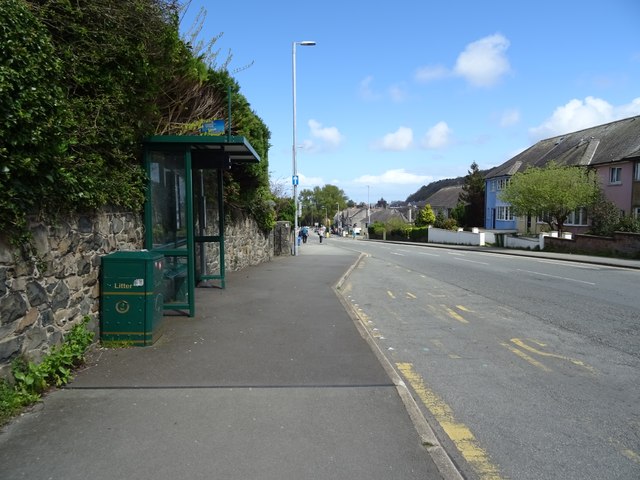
(235, 148)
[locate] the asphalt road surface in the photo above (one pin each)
(526, 368)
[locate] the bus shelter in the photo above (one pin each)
(184, 209)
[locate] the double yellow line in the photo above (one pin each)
(459, 433)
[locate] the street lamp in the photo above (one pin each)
(294, 179)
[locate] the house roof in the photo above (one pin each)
(612, 142)
(384, 214)
(446, 197)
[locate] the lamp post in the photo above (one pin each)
(294, 178)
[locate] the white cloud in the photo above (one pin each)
(330, 136)
(509, 117)
(629, 110)
(431, 73)
(365, 89)
(306, 182)
(398, 92)
(399, 140)
(580, 114)
(308, 146)
(484, 61)
(394, 177)
(438, 136)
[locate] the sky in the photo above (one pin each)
(396, 95)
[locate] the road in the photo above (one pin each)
(526, 368)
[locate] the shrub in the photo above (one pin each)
(425, 216)
(31, 379)
(419, 234)
(628, 224)
(397, 228)
(377, 229)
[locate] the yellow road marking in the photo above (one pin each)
(459, 433)
(631, 455)
(526, 357)
(579, 363)
(453, 314)
(627, 452)
(463, 308)
(390, 294)
(411, 295)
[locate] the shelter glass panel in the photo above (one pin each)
(167, 183)
(175, 291)
(207, 221)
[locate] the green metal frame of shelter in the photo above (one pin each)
(172, 216)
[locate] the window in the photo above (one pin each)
(615, 175)
(502, 183)
(636, 213)
(636, 172)
(493, 185)
(504, 213)
(543, 218)
(577, 217)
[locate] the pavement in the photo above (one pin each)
(273, 378)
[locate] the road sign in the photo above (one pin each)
(213, 128)
(294, 180)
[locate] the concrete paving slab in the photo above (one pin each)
(270, 380)
(265, 433)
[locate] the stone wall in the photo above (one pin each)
(41, 300)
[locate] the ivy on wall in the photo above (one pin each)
(82, 84)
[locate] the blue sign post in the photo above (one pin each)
(294, 180)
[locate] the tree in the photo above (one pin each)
(551, 192)
(425, 216)
(604, 216)
(472, 196)
(82, 84)
(314, 202)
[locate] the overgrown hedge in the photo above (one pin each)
(406, 232)
(82, 84)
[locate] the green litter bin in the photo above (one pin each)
(131, 305)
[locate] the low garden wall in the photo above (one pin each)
(620, 244)
(460, 237)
